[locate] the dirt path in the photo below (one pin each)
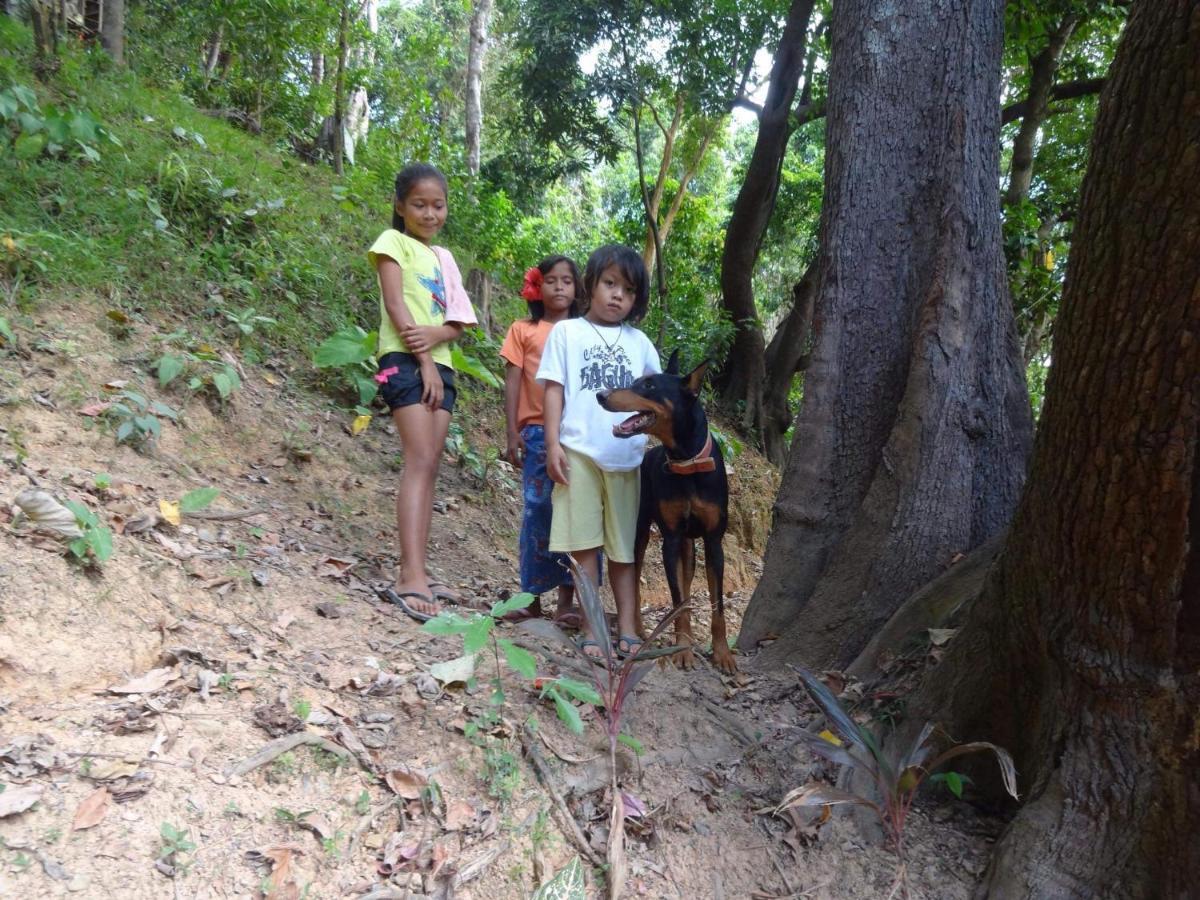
(233, 629)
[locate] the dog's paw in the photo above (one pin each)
(723, 659)
(684, 659)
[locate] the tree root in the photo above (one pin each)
(282, 745)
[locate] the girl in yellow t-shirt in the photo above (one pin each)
(423, 307)
(554, 291)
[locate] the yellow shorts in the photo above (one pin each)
(597, 509)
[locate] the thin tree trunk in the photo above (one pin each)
(1083, 654)
(339, 91)
(787, 355)
(112, 30)
(317, 69)
(652, 205)
(476, 48)
(213, 55)
(911, 441)
(1042, 69)
(743, 376)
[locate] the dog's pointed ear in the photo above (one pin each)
(694, 379)
(673, 362)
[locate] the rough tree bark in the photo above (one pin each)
(476, 47)
(112, 30)
(741, 381)
(911, 442)
(1082, 655)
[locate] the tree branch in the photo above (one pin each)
(1068, 90)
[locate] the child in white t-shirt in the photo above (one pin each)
(596, 473)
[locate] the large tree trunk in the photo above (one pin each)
(1083, 654)
(112, 30)
(743, 375)
(912, 438)
(476, 47)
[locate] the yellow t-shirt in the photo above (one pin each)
(424, 290)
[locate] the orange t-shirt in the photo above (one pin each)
(523, 348)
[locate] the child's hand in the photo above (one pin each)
(516, 449)
(431, 395)
(420, 338)
(557, 465)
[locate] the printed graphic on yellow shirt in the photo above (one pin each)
(437, 291)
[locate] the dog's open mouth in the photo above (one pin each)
(635, 424)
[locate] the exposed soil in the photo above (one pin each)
(270, 614)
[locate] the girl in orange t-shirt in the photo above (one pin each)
(554, 291)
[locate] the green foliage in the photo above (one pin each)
(175, 845)
(351, 351)
(95, 545)
(198, 499)
(29, 130)
(567, 884)
(896, 776)
(134, 418)
(205, 370)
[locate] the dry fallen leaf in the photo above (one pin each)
(281, 885)
(154, 680)
(17, 800)
(92, 810)
(286, 618)
(460, 815)
(111, 769)
(406, 783)
(169, 510)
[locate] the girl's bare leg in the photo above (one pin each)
(422, 438)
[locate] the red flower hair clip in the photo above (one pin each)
(533, 284)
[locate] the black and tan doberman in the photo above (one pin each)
(685, 492)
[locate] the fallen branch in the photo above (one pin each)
(219, 516)
(282, 745)
(479, 864)
(546, 777)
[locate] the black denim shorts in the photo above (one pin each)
(400, 382)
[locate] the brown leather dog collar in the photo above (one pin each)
(701, 462)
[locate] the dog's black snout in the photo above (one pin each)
(603, 395)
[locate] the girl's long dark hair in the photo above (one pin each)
(406, 179)
(537, 309)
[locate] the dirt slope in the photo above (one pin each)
(263, 608)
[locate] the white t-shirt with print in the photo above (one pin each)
(585, 359)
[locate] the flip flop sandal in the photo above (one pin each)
(629, 641)
(570, 619)
(401, 600)
(443, 591)
(584, 643)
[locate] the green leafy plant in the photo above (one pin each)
(175, 845)
(896, 776)
(302, 708)
(478, 632)
(204, 369)
(198, 499)
(31, 130)
(352, 351)
(134, 419)
(614, 682)
(245, 320)
(467, 364)
(95, 545)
